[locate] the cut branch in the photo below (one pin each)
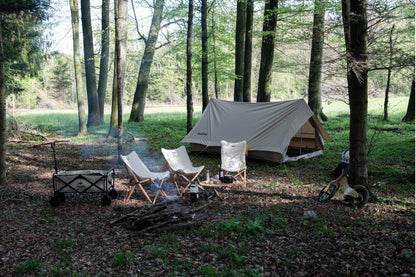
(168, 215)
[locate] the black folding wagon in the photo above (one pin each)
(82, 181)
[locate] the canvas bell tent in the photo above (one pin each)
(275, 131)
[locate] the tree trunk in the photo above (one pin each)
(121, 41)
(204, 40)
(139, 101)
(386, 95)
(410, 115)
(189, 103)
(247, 52)
(214, 48)
(93, 105)
(2, 115)
(113, 132)
(315, 67)
(105, 52)
(79, 87)
(355, 30)
(267, 51)
(240, 34)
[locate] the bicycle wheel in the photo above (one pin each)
(360, 201)
(327, 192)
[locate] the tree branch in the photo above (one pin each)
(173, 22)
(162, 45)
(137, 24)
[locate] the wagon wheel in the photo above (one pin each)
(106, 200)
(61, 197)
(54, 201)
(113, 194)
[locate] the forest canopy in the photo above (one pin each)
(50, 74)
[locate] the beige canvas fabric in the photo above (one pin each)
(233, 157)
(133, 161)
(178, 160)
(268, 128)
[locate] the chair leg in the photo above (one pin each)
(160, 190)
(187, 184)
(177, 188)
(196, 177)
(154, 199)
(172, 179)
(144, 192)
(127, 197)
(245, 178)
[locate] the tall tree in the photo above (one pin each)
(204, 43)
(92, 95)
(248, 52)
(79, 87)
(189, 103)
(113, 132)
(214, 50)
(315, 67)
(104, 58)
(19, 9)
(267, 51)
(355, 31)
(410, 114)
(386, 95)
(139, 100)
(22, 42)
(240, 36)
(2, 114)
(120, 55)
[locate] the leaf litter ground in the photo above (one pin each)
(259, 231)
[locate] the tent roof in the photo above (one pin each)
(266, 126)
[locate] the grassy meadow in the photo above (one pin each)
(391, 143)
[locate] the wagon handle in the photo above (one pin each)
(54, 156)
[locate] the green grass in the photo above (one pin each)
(391, 143)
(252, 227)
(31, 266)
(122, 259)
(61, 245)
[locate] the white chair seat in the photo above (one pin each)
(233, 159)
(181, 166)
(140, 175)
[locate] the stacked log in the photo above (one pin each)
(161, 217)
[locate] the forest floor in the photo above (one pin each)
(259, 231)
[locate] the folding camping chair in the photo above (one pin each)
(233, 160)
(140, 175)
(182, 168)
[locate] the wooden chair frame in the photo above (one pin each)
(182, 168)
(141, 176)
(136, 181)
